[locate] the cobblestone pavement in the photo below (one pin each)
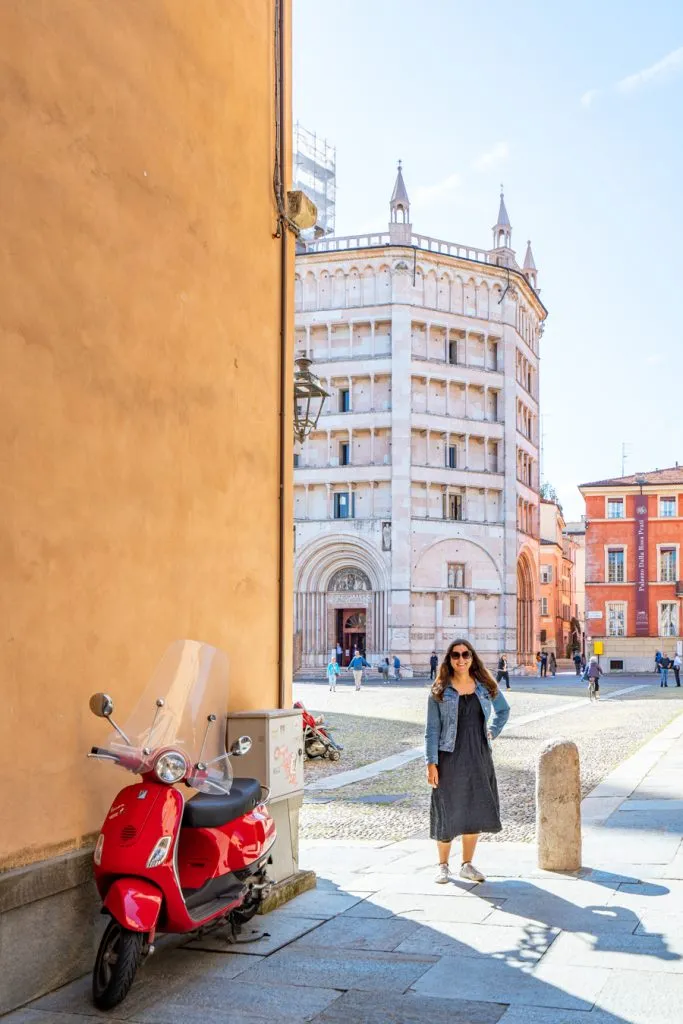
(384, 720)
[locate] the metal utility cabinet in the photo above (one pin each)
(276, 759)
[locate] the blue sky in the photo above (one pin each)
(577, 108)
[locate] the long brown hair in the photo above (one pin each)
(478, 671)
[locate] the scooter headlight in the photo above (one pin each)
(170, 767)
(160, 852)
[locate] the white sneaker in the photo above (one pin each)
(471, 874)
(443, 874)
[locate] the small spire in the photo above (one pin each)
(503, 219)
(529, 258)
(400, 195)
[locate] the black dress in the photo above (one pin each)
(466, 800)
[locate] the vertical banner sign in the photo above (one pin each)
(642, 611)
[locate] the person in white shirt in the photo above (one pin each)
(677, 669)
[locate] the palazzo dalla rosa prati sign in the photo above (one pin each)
(642, 611)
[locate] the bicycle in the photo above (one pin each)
(593, 693)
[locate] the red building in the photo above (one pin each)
(634, 593)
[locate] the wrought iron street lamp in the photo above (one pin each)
(309, 398)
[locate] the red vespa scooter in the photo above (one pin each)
(164, 863)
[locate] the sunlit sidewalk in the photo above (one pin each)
(380, 941)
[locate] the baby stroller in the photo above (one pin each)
(318, 740)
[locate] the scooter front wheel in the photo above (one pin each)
(117, 961)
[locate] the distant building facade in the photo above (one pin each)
(576, 533)
(416, 499)
(559, 631)
(634, 534)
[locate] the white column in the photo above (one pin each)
(350, 445)
(372, 337)
(429, 337)
(329, 447)
(308, 340)
(329, 500)
(448, 398)
(329, 341)
(372, 446)
(428, 384)
(471, 611)
(467, 348)
(306, 501)
(486, 505)
(486, 403)
(467, 404)
(467, 451)
(429, 434)
(351, 339)
(372, 376)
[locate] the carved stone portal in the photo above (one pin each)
(349, 579)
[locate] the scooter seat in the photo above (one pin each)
(205, 810)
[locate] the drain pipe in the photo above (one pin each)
(284, 418)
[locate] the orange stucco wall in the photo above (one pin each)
(140, 323)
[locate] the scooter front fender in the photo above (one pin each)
(134, 903)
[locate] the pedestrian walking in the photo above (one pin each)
(658, 662)
(677, 668)
(357, 664)
(384, 669)
(583, 663)
(397, 666)
(340, 652)
(460, 767)
(503, 673)
(332, 674)
(433, 665)
(664, 664)
(593, 673)
(538, 662)
(544, 663)
(577, 663)
(552, 661)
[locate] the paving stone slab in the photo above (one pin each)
(347, 881)
(277, 929)
(654, 953)
(581, 892)
(449, 938)
(664, 896)
(180, 976)
(30, 1016)
(244, 1002)
(533, 1015)
(367, 1008)
(417, 882)
(341, 969)
(653, 922)
(638, 998)
(569, 988)
(321, 904)
(417, 907)
(645, 821)
(343, 932)
(522, 911)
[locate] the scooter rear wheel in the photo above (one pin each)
(117, 961)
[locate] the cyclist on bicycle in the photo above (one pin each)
(593, 673)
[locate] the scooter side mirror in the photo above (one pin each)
(101, 705)
(241, 746)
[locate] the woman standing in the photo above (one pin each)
(458, 755)
(552, 661)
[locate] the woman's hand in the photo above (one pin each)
(432, 775)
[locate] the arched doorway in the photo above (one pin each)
(351, 632)
(525, 610)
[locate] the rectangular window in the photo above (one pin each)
(616, 665)
(453, 352)
(546, 574)
(668, 618)
(344, 505)
(667, 508)
(616, 618)
(667, 565)
(544, 636)
(455, 604)
(296, 460)
(344, 453)
(615, 508)
(544, 605)
(615, 566)
(456, 575)
(344, 400)
(452, 506)
(451, 456)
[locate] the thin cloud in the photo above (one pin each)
(496, 155)
(668, 66)
(427, 194)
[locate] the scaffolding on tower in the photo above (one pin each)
(315, 163)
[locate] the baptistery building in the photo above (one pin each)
(416, 496)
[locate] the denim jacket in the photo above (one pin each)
(442, 719)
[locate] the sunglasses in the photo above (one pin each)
(465, 655)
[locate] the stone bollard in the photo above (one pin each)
(558, 807)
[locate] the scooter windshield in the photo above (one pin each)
(184, 709)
